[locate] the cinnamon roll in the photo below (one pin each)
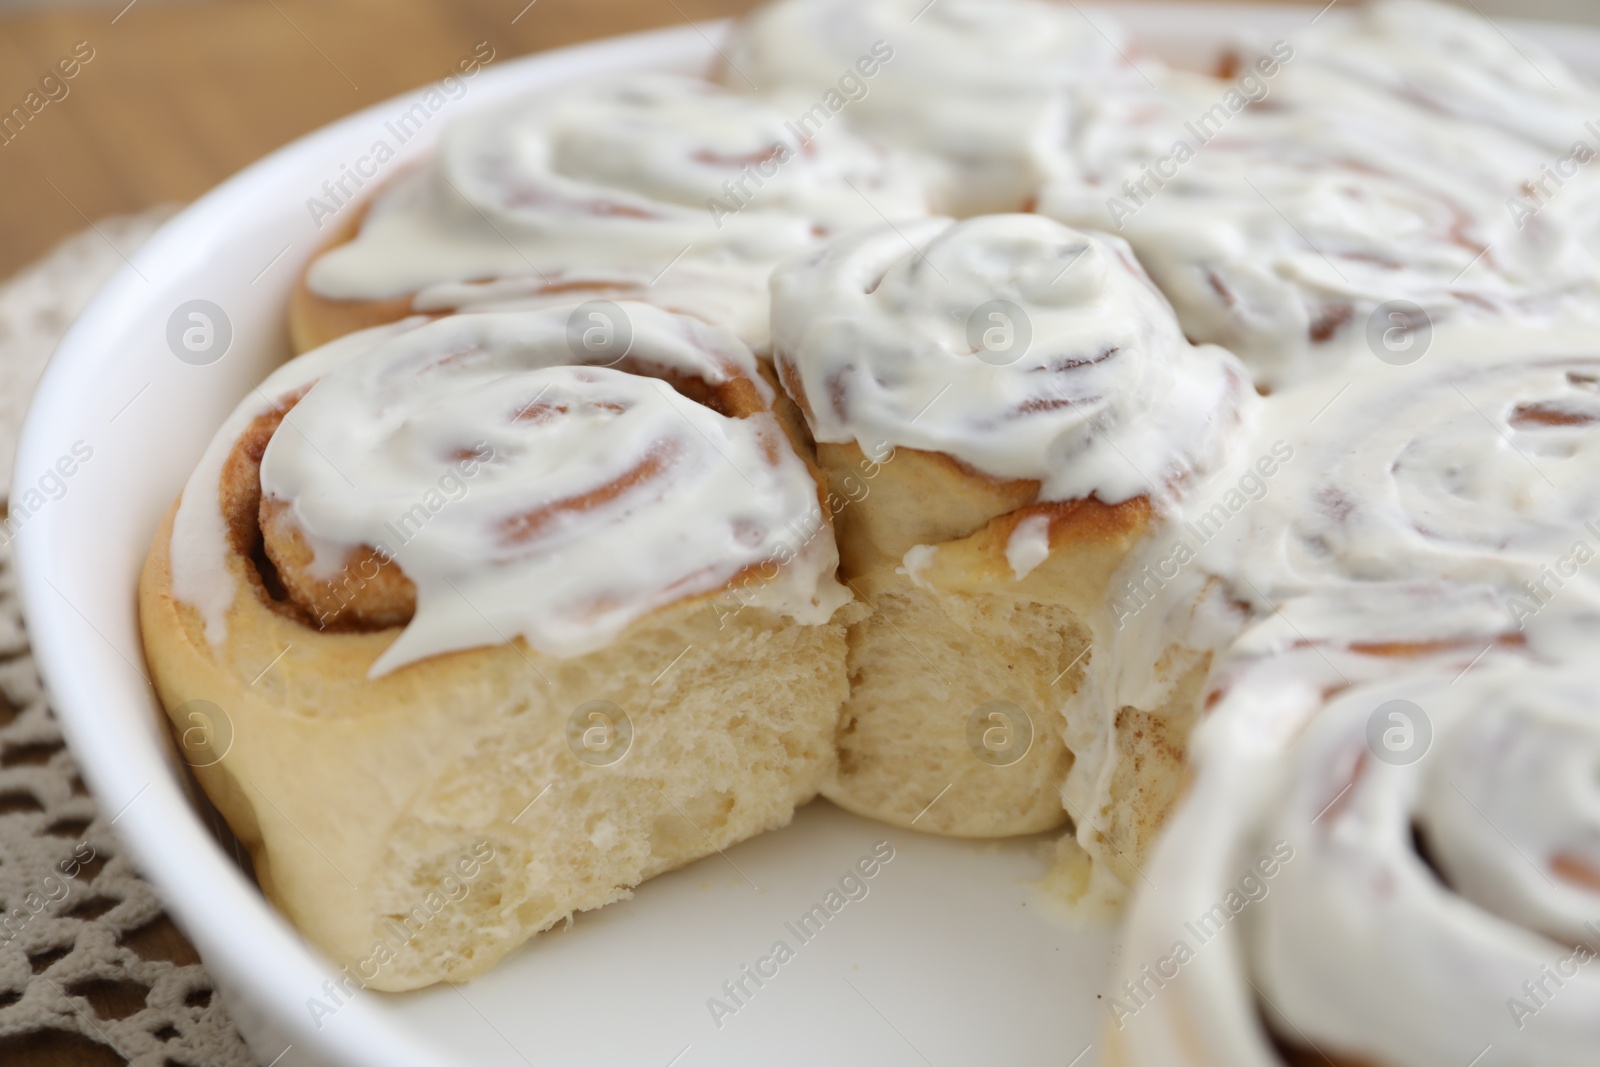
(1307, 207)
(974, 89)
(1456, 491)
(1388, 832)
(1388, 858)
(456, 589)
(653, 187)
(1009, 407)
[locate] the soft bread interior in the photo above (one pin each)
(962, 640)
(919, 675)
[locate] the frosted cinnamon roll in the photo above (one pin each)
(454, 588)
(1010, 407)
(1388, 858)
(1299, 213)
(1466, 478)
(1387, 836)
(975, 89)
(649, 187)
(1459, 490)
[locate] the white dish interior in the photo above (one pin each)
(948, 959)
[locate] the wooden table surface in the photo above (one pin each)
(176, 96)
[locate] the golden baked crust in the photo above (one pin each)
(314, 320)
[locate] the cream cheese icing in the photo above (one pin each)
(736, 300)
(1476, 465)
(1436, 57)
(1363, 946)
(1029, 545)
(1355, 942)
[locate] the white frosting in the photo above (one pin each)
(1020, 347)
(1028, 545)
(1353, 946)
(1525, 764)
(915, 564)
(604, 494)
(1279, 228)
(630, 177)
(976, 88)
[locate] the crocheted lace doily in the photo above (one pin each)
(84, 948)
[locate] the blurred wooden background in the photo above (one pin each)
(182, 93)
(179, 95)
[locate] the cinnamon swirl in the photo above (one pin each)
(436, 571)
(646, 187)
(1024, 409)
